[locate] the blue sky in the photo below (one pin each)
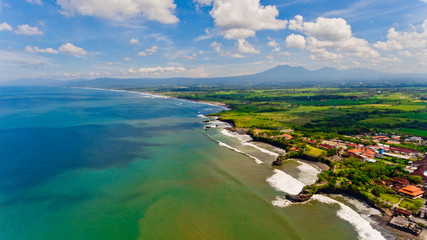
(69, 39)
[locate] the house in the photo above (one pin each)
(412, 191)
(402, 150)
(414, 139)
(397, 183)
(326, 146)
(287, 136)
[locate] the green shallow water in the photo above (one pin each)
(181, 184)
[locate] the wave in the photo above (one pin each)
(308, 173)
(244, 140)
(261, 149)
(237, 150)
(283, 182)
(144, 94)
(241, 137)
(362, 226)
(281, 202)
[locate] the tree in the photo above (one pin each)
(415, 179)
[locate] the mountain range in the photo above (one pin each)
(281, 75)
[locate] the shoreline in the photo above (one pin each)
(159, 95)
(381, 220)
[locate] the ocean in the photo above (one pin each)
(98, 164)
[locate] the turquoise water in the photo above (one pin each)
(92, 164)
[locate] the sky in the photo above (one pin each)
(85, 39)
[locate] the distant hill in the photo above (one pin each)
(282, 75)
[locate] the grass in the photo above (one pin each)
(411, 204)
(344, 111)
(390, 198)
(416, 132)
(315, 151)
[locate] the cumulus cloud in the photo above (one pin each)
(5, 27)
(157, 70)
(148, 51)
(38, 50)
(127, 59)
(240, 19)
(295, 41)
(245, 47)
(134, 41)
(155, 10)
(409, 42)
(28, 30)
(39, 2)
(71, 49)
(218, 48)
(274, 44)
(328, 38)
(190, 57)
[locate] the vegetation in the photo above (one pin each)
(299, 120)
(316, 110)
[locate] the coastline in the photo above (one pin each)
(243, 131)
(158, 95)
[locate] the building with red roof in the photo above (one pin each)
(412, 191)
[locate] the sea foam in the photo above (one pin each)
(308, 173)
(261, 149)
(361, 225)
(283, 182)
(237, 150)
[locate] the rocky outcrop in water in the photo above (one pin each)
(278, 161)
(301, 197)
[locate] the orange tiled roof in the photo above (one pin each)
(287, 136)
(412, 190)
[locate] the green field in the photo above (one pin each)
(317, 110)
(411, 204)
(315, 151)
(390, 198)
(417, 132)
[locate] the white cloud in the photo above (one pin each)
(148, 51)
(218, 48)
(38, 50)
(321, 53)
(296, 41)
(328, 38)
(39, 2)
(28, 30)
(190, 57)
(156, 10)
(157, 70)
(284, 54)
(275, 45)
(240, 19)
(270, 58)
(71, 49)
(127, 59)
(5, 27)
(134, 41)
(412, 42)
(406, 53)
(332, 29)
(245, 47)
